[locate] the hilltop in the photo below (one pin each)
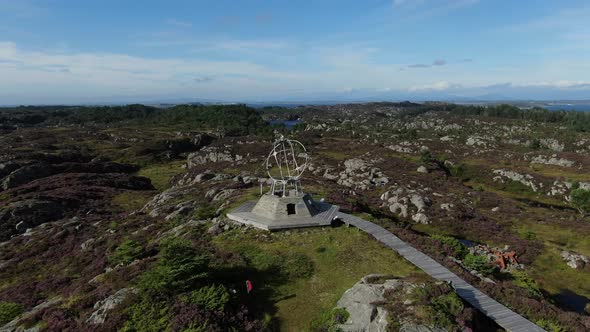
(113, 217)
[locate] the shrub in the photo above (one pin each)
(580, 199)
(214, 297)
(459, 250)
(9, 311)
(550, 325)
(478, 263)
(148, 316)
(521, 279)
(126, 253)
(179, 267)
(535, 144)
(329, 319)
(205, 212)
(426, 157)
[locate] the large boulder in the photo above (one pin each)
(26, 174)
(359, 301)
(20, 216)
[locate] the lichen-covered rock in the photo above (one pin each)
(525, 179)
(407, 202)
(359, 301)
(102, 308)
(552, 144)
(552, 160)
(575, 261)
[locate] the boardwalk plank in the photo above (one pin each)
(503, 316)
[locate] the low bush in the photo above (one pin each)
(180, 267)
(521, 279)
(126, 253)
(478, 263)
(9, 311)
(580, 199)
(328, 320)
(458, 249)
(214, 297)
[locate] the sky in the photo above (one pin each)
(110, 51)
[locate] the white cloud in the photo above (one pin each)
(438, 86)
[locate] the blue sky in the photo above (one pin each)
(58, 51)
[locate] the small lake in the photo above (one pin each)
(289, 124)
(572, 301)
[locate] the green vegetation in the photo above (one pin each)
(323, 264)
(329, 319)
(550, 325)
(126, 253)
(214, 297)
(459, 250)
(205, 212)
(9, 311)
(523, 280)
(161, 174)
(132, 200)
(478, 263)
(433, 304)
(577, 121)
(179, 268)
(226, 119)
(580, 199)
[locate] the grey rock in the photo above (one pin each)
(214, 229)
(575, 261)
(102, 308)
(422, 169)
(14, 325)
(26, 174)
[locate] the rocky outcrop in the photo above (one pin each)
(211, 155)
(20, 216)
(575, 261)
(15, 324)
(552, 160)
(359, 301)
(361, 174)
(362, 302)
(552, 144)
(102, 308)
(406, 202)
(524, 179)
(29, 173)
(26, 174)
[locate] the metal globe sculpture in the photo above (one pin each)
(285, 164)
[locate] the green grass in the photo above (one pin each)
(559, 172)
(335, 155)
(340, 256)
(132, 200)
(549, 270)
(161, 174)
(557, 236)
(552, 273)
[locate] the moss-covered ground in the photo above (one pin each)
(340, 256)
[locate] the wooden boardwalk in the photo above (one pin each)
(503, 316)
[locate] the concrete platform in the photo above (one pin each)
(244, 215)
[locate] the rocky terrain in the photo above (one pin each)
(113, 218)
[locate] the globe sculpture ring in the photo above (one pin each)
(287, 160)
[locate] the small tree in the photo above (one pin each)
(580, 199)
(478, 263)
